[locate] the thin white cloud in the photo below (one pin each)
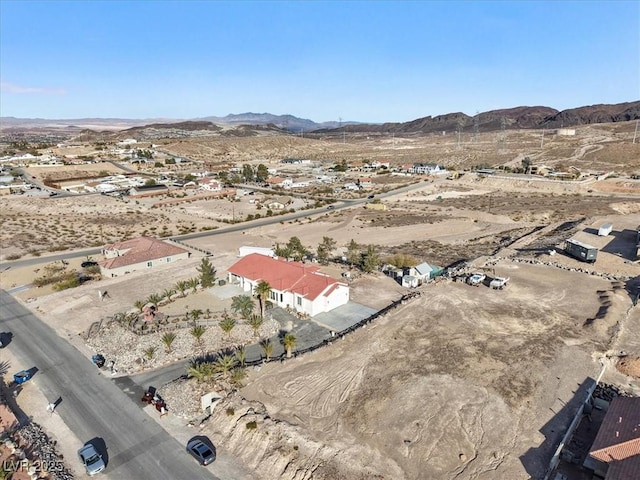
(21, 89)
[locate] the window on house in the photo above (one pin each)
(299, 301)
(168, 259)
(149, 264)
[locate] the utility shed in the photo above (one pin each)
(605, 230)
(580, 250)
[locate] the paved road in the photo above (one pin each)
(92, 405)
(244, 226)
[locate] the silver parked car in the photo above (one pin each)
(201, 452)
(91, 459)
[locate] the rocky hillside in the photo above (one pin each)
(511, 118)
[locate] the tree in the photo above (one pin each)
(241, 356)
(193, 284)
(243, 304)
(150, 352)
(168, 293)
(263, 290)
(526, 163)
(248, 174)
(289, 343)
(139, 304)
(207, 273)
(149, 182)
(353, 253)
(262, 173)
(197, 332)
(227, 324)
(168, 339)
(200, 371)
(195, 314)
(237, 376)
(296, 249)
(154, 299)
(370, 260)
(182, 286)
(224, 364)
(267, 347)
(255, 322)
(325, 248)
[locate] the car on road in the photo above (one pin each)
(371, 197)
(201, 452)
(91, 459)
(88, 263)
(331, 207)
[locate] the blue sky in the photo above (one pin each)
(372, 61)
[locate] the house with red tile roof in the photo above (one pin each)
(295, 285)
(138, 254)
(616, 449)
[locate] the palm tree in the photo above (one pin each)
(197, 332)
(227, 324)
(199, 371)
(225, 364)
(241, 356)
(182, 286)
(237, 376)
(243, 304)
(168, 293)
(154, 299)
(193, 284)
(150, 352)
(195, 314)
(267, 347)
(255, 322)
(168, 339)
(263, 289)
(139, 304)
(289, 343)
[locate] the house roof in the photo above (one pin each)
(618, 440)
(281, 275)
(138, 250)
(424, 268)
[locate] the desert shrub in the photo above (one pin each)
(230, 411)
(14, 256)
(252, 425)
(71, 280)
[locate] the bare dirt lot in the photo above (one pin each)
(461, 382)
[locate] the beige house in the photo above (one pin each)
(138, 254)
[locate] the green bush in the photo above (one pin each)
(230, 411)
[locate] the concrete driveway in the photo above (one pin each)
(344, 317)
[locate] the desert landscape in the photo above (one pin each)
(457, 382)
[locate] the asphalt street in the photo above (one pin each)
(93, 407)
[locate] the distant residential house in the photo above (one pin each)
(279, 182)
(138, 254)
(293, 284)
(615, 452)
(148, 190)
(277, 203)
(210, 184)
(427, 168)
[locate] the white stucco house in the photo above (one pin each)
(138, 254)
(293, 284)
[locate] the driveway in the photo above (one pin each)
(343, 317)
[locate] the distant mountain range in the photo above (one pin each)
(511, 118)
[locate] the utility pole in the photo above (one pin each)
(542, 140)
(635, 134)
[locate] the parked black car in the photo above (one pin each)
(88, 263)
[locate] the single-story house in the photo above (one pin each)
(427, 168)
(138, 254)
(293, 285)
(615, 453)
